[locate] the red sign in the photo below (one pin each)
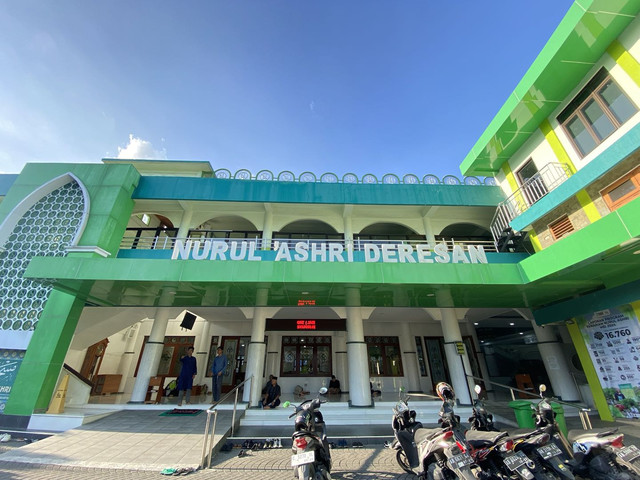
(305, 303)
(305, 324)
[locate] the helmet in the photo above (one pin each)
(445, 392)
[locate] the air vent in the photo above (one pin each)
(561, 227)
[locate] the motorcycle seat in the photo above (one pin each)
(483, 439)
(423, 434)
(582, 435)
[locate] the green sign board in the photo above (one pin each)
(10, 361)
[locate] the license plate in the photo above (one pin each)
(302, 458)
(628, 453)
(461, 460)
(513, 462)
(549, 451)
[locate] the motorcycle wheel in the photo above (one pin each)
(402, 460)
(305, 472)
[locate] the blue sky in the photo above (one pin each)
(363, 86)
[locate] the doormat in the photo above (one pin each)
(181, 412)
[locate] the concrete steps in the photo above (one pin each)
(339, 413)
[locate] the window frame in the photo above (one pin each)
(558, 221)
(634, 176)
(594, 86)
(371, 341)
(314, 359)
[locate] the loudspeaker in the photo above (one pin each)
(188, 321)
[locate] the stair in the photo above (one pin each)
(339, 413)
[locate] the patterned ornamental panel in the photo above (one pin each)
(46, 229)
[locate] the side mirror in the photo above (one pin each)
(477, 389)
(286, 404)
(323, 391)
(543, 388)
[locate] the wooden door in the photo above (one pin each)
(93, 360)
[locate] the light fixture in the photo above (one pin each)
(475, 323)
(512, 324)
(521, 333)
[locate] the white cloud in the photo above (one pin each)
(138, 148)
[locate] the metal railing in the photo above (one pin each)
(207, 443)
(168, 243)
(583, 409)
(547, 179)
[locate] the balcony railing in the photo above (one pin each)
(167, 243)
(547, 179)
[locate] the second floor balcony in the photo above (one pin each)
(548, 178)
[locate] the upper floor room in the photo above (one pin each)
(563, 148)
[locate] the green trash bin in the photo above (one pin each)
(559, 411)
(524, 413)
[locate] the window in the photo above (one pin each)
(384, 356)
(622, 190)
(306, 356)
(561, 227)
(596, 112)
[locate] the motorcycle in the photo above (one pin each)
(311, 457)
(480, 419)
(546, 446)
(597, 454)
(433, 453)
(494, 450)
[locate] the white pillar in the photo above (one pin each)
(273, 355)
(126, 360)
(409, 359)
(202, 352)
(256, 350)
(556, 364)
(359, 389)
(484, 371)
(267, 227)
(340, 369)
(458, 365)
(185, 224)
(428, 231)
(151, 355)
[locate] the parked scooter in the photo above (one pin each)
(547, 445)
(480, 419)
(433, 453)
(598, 454)
(311, 458)
(494, 450)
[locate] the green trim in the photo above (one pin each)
(582, 37)
(43, 360)
(596, 168)
(589, 371)
(585, 304)
(215, 189)
(627, 61)
(597, 243)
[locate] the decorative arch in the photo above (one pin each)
(48, 222)
(38, 194)
(220, 219)
(387, 228)
(463, 230)
(308, 225)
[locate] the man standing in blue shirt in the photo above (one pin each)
(218, 368)
(187, 374)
